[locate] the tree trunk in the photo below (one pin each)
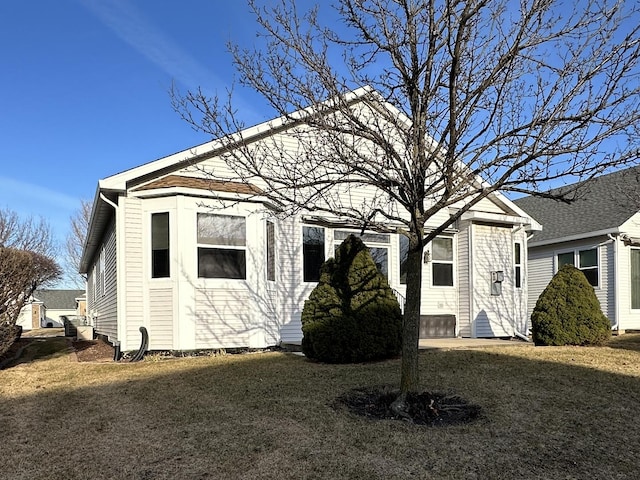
(409, 377)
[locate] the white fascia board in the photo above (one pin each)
(204, 194)
(534, 225)
(578, 236)
(474, 215)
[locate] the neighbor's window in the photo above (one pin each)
(222, 241)
(312, 252)
(442, 261)
(635, 278)
(517, 261)
(160, 245)
(585, 260)
(404, 257)
(271, 251)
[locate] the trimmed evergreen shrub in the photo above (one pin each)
(352, 315)
(568, 312)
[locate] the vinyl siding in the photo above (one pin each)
(222, 318)
(492, 251)
(103, 295)
(161, 319)
(629, 318)
(542, 267)
(133, 272)
(464, 319)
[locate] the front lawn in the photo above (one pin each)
(549, 412)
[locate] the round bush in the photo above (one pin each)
(568, 312)
(352, 315)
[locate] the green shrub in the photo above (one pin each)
(352, 315)
(568, 312)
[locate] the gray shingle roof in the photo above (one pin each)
(58, 299)
(603, 203)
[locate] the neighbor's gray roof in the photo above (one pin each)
(58, 299)
(603, 203)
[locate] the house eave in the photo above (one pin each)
(573, 238)
(477, 216)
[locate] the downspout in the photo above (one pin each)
(116, 344)
(616, 297)
(523, 254)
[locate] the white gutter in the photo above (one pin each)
(523, 277)
(119, 279)
(106, 200)
(579, 236)
(616, 288)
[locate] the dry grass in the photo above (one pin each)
(550, 412)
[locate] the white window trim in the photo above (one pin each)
(630, 283)
(328, 242)
(516, 265)
(150, 240)
(448, 262)
(275, 250)
(210, 246)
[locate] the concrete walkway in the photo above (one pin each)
(451, 343)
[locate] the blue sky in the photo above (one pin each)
(84, 91)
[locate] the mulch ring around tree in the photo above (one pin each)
(426, 408)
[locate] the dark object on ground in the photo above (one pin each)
(352, 315)
(568, 312)
(426, 408)
(144, 346)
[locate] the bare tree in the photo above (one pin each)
(485, 96)
(26, 262)
(34, 235)
(75, 243)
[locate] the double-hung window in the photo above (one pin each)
(517, 262)
(222, 241)
(585, 260)
(312, 253)
(442, 261)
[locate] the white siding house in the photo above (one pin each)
(206, 265)
(600, 234)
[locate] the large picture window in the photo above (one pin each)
(160, 245)
(442, 261)
(635, 278)
(222, 243)
(312, 252)
(585, 260)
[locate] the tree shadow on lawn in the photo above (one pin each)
(270, 416)
(628, 341)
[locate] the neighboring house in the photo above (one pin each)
(45, 308)
(206, 265)
(599, 233)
